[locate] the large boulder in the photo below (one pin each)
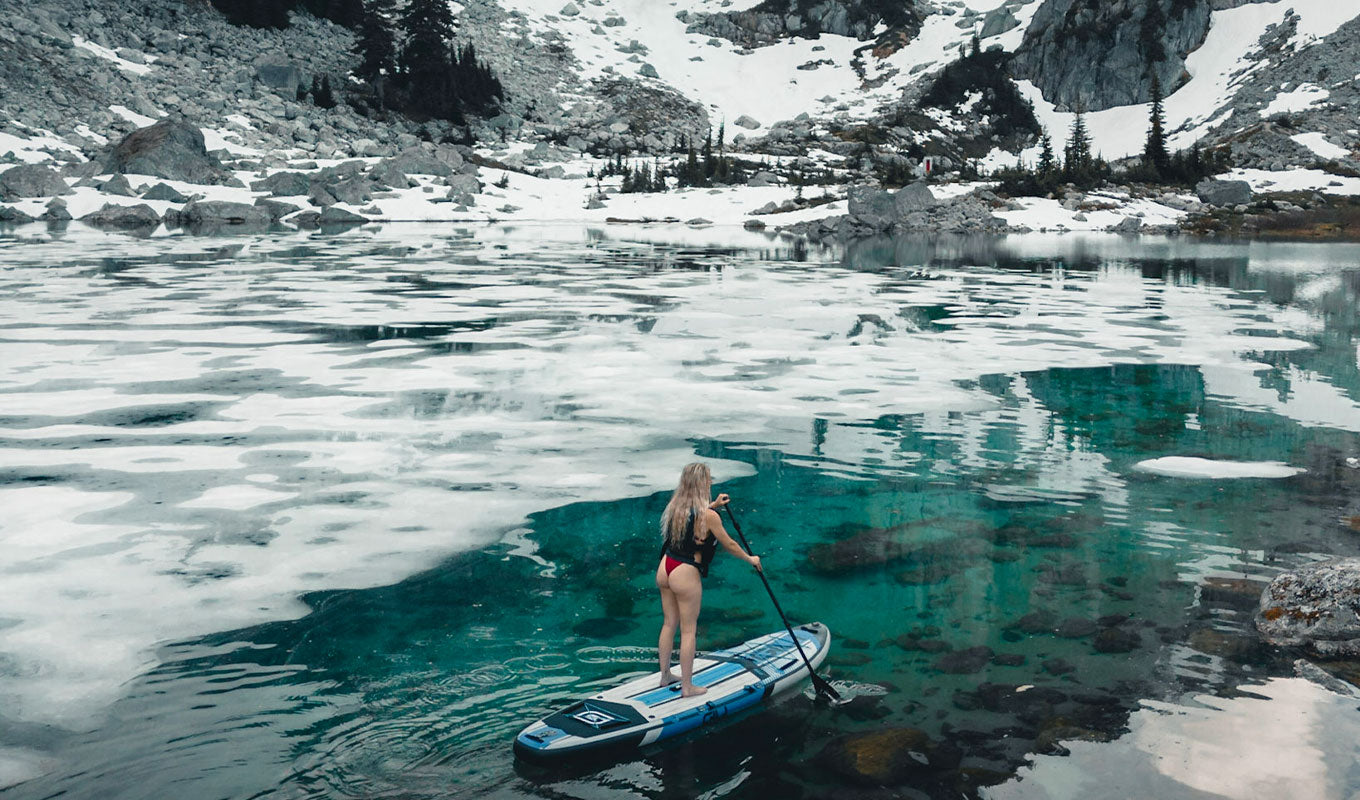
(1217, 192)
(1315, 607)
(31, 180)
(871, 206)
(998, 21)
(112, 216)
(914, 197)
(283, 184)
(221, 212)
(164, 191)
(416, 161)
(14, 215)
(279, 74)
(171, 149)
(334, 215)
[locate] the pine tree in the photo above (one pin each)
(377, 42)
(427, 56)
(1077, 155)
(1155, 156)
(1045, 155)
(322, 95)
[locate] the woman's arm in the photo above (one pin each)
(714, 524)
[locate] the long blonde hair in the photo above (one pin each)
(691, 495)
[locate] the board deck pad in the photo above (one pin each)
(639, 712)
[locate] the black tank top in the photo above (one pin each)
(686, 550)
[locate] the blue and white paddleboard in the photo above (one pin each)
(638, 713)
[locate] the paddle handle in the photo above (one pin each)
(822, 686)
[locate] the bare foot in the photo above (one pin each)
(693, 691)
(667, 678)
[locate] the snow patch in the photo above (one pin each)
(140, 120)
(1317, 142)
(108, 55)
(1297, 99)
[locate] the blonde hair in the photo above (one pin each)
(690, 495)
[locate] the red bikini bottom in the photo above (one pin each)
(671, 564)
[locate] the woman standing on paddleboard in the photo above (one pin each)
(691, 529)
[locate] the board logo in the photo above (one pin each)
(596, 718)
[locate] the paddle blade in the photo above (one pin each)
(825, 689)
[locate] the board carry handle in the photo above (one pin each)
(823, 688)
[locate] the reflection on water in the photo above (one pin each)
(333, 516)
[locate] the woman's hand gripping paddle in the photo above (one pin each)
(823, 688)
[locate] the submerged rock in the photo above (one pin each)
(887, 757)
(1117, 640)
(963, 662)
(1316, 607)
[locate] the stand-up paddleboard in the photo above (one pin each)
(639, 713)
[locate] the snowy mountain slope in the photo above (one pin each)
(766, 83)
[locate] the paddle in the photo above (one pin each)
(823, 688)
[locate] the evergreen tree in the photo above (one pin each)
(1077, 155)
(1046, 155)
(710, 168)
(427, 57)
(322, 95)
(1155, 157)
(377, 42)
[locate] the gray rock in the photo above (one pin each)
(386, 175)
(614, 22)
(220, 212)
(13, 215)
(464, 184)
(746, 121)
(913, 197)
(164, 191)
(283, 75)
(1215, 192)
(1316, 607)
(355, 191)
(648, 71)
(170, 149)
(283, 184)
(31, 180)
(594, 203)
(699, 221)
(570, 10)
(112, 216)
(334, 215)
(1093, 55)
(763, 179)
(1128, 225)
(277, 209)
(871, 207)
(998, 21)
(56, 211)
(118, 185)
(306, 219)
(320, 197)
(417, 161)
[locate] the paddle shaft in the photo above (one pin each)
(822, 686)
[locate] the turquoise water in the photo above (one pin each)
(455, 452)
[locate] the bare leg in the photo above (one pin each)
(688, 588)
(670, 611)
